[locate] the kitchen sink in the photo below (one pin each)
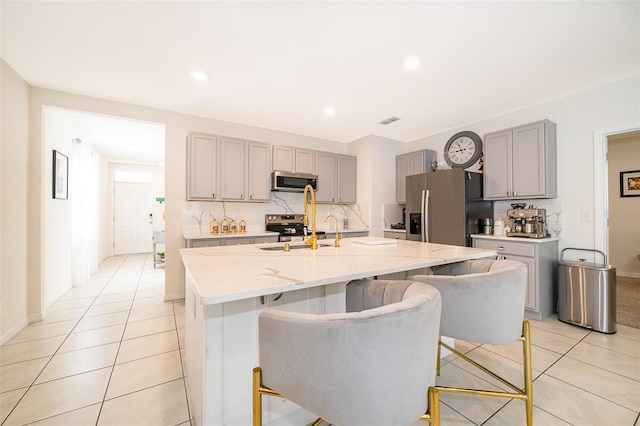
(293, 246)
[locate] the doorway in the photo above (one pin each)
(624, 202)
(133, 218)
(601, 183)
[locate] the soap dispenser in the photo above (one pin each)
(498, 227)
(214, 228)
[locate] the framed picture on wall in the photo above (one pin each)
(630, 183)
(60, 175)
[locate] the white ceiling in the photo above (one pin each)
(278, 64)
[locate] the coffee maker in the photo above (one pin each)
(527, 222)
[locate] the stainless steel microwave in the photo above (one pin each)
(292, 182)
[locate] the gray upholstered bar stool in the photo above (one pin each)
(483, 302)
(369, 366)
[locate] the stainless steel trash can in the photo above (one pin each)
(587, 293)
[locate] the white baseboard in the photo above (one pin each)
(173, 296)
(14, 330)
(627, 274)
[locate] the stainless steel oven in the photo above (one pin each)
(290, 227)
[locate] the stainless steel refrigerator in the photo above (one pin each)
(446, 207)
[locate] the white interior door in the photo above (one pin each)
(133, 221)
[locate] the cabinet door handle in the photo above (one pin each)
(500, 248)
(515, 193)
(277, 297)
(242, 196)
(251, 196)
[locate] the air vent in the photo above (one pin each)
(389, 120)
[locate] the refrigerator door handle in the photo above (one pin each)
(424, 209)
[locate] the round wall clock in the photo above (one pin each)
(463, 149)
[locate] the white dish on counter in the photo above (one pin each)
(373, 241)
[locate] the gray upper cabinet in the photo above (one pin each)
(346, 179)
(305, 161)
(290, 159)
(337, 181)
(326, 171)
(283, 158)
(232, 169)
(224, 168)
(520, 162)
(258, 170)
(412, 163)
(202, 157)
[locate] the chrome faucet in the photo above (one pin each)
(338, 236)
(313, 239)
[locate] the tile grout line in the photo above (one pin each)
(56, 351)
(124, 330)
(184, 376)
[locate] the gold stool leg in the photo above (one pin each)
(528, 376)
(434, 406)
(257, 397)
(438, 356)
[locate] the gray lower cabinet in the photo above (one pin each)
(348, 234)
(395, 235)
(229, 241)
(541, 258)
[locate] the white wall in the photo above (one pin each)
(577, 117)
(14, 209)
(376, 176)
(624, 212)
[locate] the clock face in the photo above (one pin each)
(463, 149)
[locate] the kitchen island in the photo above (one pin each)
(228, 287)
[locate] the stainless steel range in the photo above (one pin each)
(290, 227)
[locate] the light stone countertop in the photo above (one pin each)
(228, 273)
(505, 238)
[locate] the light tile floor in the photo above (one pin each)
(109, 353)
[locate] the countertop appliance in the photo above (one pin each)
(290, 227)
(292, 182)
(528, 223)
(446, 206)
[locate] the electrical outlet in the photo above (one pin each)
(586, 215)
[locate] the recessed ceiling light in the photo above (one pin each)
(411, 63)
(329, 110)
(199, 75)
